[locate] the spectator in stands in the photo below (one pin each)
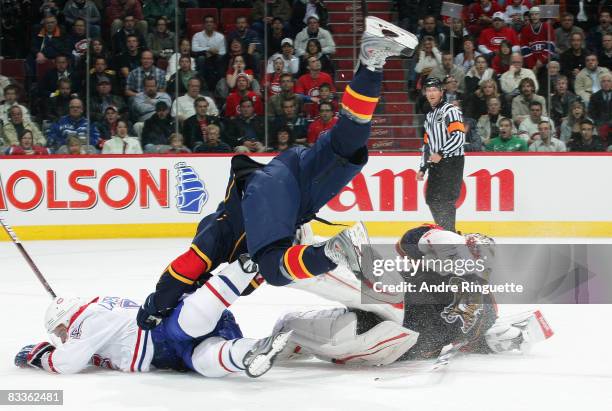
(195, 128)
(236, 50)
(553, 72)
(308, 84)
(16, 125)
(325, 121)
(120, 37)
(177, 145)
(605, 55)
(488, 124)
(107, 126)
(448, 68)
(456, 36)
(174, 60)
(561, 100)
(429, 57)
(490, 38)
(99, 71)
(438, 32)
(246, 131)
(270, 13)
(144, 104)
(157, 130)
(121, 142)
(303, 11)
(313, 49)
(271, 81)
(129, 60)
(208, 46)
(104, 99)
(10, 101)
(154, 9)
(58, 104)
(325, 96)
(238, 68)
(586, 12)
(181, 78)
(564, 32)
(571, 125)
(117, 10)
(248, 38)
(537, 41)
(135, 80)
(476, 103)
(97, 49)
(48, 43)
(412, 13)
(529, 126)
(502, 59)
(515, 12)
(85, 10)
(512, 78)
(473, 142)
(314, 31)
(521, 103)
(26, 146)
(451, 93)
(479, 73)
(600, 107)
(506, 141)
(74, 146)
(77, 41)
(74, 124)
(283, 140)
(4, 81)
(212, 143)
(275, 103)
(185, 104)
(573, 59)
(276, 34)
(479, 15)
(467, 57)
(48, 84)
(544, 142)
(585, 140)
(587, 80)
(595, 36)
(293, 120)
(161, 40)
(232, 104)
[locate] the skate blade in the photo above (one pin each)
(263, 362)
(381, 28)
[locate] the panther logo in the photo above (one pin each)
(465, 307)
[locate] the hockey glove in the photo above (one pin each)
(148, 316)
(31, 355)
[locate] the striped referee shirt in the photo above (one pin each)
(444, 133)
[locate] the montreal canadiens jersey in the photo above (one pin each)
(103, 333)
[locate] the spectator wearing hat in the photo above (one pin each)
(490, 38)
(185, 104)
(325, 121)
(314, 31)
(212, 142)
(143, 105)
(157, 130)
(308, 84)
(26, 146)
(479, 15)
(104, 99)
(195, 127)
(121, 142)
(135, 81)
(291, 63)
(303, 10)
(232, 104)
(108, 125)
(73, 125)
(17, 124)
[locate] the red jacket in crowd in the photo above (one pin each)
(317, 127)
(232, 104)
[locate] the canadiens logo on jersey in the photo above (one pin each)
(191, 194)
(466, 307)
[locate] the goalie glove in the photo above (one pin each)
(31, 355)
(518, 332)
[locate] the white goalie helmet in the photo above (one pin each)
(60, 311)
(480, 245)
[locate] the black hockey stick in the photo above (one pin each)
(364, 9)
(27, 257)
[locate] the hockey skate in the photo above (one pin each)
(261, 357)
(381, 40)
(347, 248)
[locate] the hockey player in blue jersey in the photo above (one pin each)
(265, 204)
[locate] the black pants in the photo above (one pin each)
(443, 189)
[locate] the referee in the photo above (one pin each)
(442, 155)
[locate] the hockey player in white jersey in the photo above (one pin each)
(380, 334)
(200, 335)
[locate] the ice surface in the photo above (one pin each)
(571, 371)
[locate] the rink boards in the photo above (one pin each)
(524, 195)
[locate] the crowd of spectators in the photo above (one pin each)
(123, 77)
(133, 76)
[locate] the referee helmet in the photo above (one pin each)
(432, 82)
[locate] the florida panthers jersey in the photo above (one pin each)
(103, 333)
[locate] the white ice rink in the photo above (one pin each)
(570, 371)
